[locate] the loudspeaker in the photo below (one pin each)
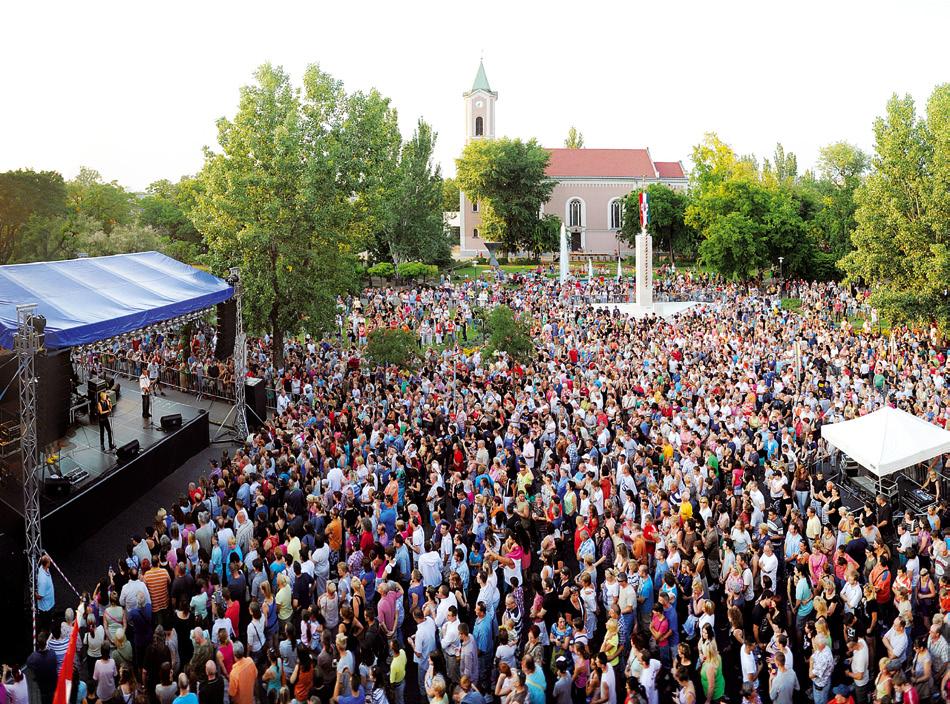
(127, 451)
(171, 422)
(93, 387)
(227, 328)
(255, 396)
(57, 486)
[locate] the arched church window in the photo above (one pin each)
(616, 214)
(574, 213)
(479, 127)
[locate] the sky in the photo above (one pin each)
(133, 90)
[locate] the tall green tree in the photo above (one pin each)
(667, 220)
(841, 167)
(902, 238)
(507, 178)
(281, 200)
(106, 204)
(166, 207)
(31, 206)
(575, 139)
(450, 195)
(747, 218)
(414, 229)
(783, 165)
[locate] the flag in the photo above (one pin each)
(644, 210)
(65, 681)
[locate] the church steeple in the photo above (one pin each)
(481, 80)
(480, 107)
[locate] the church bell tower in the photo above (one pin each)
(479, 124)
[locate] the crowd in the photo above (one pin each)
(637, 515)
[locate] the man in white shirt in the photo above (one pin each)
(423, 643)
(451, 644)
(430, 564)
(768, 566)
(859, 667)
(447, 601)
(128, 598)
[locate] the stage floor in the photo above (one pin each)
(80, 447)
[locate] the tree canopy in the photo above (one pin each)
(667, 220)
(902, 236)
(291, 195)
(575, 139)
(507, 178)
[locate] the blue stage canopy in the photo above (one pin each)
(91, 299)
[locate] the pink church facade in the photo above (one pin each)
(590, 184)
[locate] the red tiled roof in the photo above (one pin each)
(603, 163)
(670, 169)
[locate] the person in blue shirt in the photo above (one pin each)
(645, 598)
(387, 516)
(185, 695)
(45, 594)
(484, 634)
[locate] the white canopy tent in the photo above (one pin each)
(887, 440)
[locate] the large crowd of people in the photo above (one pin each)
(639, 514)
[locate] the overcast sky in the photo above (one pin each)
(133, 89)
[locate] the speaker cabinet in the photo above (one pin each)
(127, 451)
(57, 486)
(255, 396)
(227, 328)
(171, 422)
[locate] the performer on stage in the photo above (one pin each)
(105, 421)
(145, 386)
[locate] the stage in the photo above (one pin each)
(106, 485)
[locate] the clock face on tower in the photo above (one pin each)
(478, 103)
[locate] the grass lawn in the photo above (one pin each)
(794, 304)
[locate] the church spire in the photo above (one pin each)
(481, 80)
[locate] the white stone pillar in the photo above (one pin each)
(644, 246)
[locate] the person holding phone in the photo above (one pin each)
(104, 408)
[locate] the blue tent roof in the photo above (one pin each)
(85, 300)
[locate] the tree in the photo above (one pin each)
(547, 236)
(902, 238)
(283, 201)
(575, 139)
(747, 218)
(392, 347)
(414, 228)
(509, 334)
(784, 166)
(507, 177)
(450, 195)
(165, 207)
(841, 167)
(107, 204)
(667, 220)
(29, 199)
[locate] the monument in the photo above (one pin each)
(644, 247)
(644, 305)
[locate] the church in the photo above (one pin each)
(590, 183)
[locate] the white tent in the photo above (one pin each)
(887, 440)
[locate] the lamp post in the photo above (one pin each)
(781, 274)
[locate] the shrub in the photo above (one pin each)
(417, 270)
(392, 347)
(383, 270)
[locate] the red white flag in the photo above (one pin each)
(644, 210)
(65, 682)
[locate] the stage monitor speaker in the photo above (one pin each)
(127, 451)
(255, 396)
(227, 328)
(171, 422)
(57, 486)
